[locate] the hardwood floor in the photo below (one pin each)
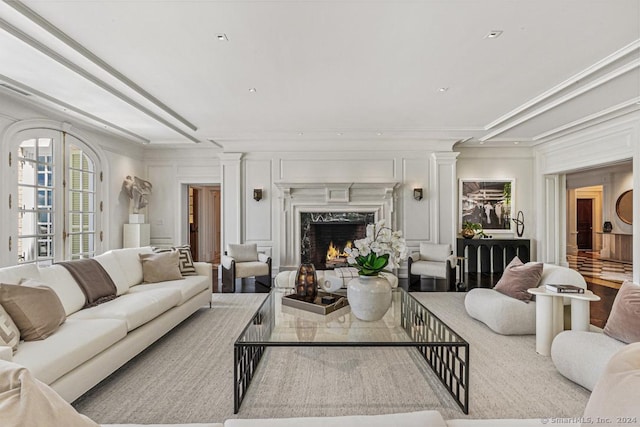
(599, 310)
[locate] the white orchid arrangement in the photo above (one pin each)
(382, 248)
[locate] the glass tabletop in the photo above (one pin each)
(406, 323)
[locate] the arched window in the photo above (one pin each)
(57, 188)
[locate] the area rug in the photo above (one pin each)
(187, 376)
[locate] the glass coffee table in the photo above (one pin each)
(407, 323)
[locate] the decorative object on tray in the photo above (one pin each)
(607, 227)
(382, 248)
(323, 303)
(564, 289)
(307, 282)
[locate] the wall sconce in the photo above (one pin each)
(257, 194)
(417, 194)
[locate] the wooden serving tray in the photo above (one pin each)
(316, 306)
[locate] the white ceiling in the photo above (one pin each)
(327, 70)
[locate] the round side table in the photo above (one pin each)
(550, 315)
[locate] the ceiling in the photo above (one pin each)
(291, 73)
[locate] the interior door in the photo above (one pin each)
(193, 221)
(584, 212)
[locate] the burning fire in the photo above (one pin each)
(334, 253)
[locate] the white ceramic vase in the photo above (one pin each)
(369, 297)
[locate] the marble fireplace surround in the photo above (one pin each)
(379, 198)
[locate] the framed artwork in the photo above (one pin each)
(488, 202)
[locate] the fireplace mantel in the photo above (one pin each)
(378, 198)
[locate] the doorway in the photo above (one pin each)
(204, 223)
(584, 223)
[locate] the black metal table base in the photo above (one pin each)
(445, 352)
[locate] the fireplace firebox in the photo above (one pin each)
(325, 235)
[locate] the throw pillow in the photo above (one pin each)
(160, 267)
(36, 311)
(245, 252)
(624, 321)
(614, 400)
(186, 265)
(519, 277)
(9, 332)
(25, 401)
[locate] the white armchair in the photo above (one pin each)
(433, 260)
(243, 260)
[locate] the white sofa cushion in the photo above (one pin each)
(130, 263)
(434, 252)
(111, 265)
(12, 275)
(188, 287)
(73, 343)
(582, 356)
(429, 268)
(135, 308)
(409, 419)
(501, 313)
(566, 422)
(64, 285)
(165, 425)
(25, 401)
(243, 252)
(614, 400)
(249, 269)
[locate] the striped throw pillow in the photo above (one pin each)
(187, 268)
(9, 332)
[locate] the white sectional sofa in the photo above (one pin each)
(94, 342)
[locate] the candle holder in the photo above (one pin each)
(307, 282)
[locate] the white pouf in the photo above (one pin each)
(503, 314)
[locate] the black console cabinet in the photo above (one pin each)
(493, 254)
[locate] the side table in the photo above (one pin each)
(550, 315)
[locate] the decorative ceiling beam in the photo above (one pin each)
(86, 53)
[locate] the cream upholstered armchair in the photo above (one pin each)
(243, 260)
(433, 260)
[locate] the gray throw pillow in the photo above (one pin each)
(519, 277)
(36, 311)
(624, 321)
(160, 267)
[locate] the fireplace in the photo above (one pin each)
(325, 235)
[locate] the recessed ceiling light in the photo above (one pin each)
(516, 142)
(146, 142)
(222, 37)
(443, 89)
(300, 133)
(481, 142)
(493, 34)
(379, 133)
(253, 90)
(339, 133)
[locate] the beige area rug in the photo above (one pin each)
(187, 376)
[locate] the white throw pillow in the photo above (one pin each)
(245, 252)
(25, 401)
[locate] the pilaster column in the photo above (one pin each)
(444, 193)
(231, 202)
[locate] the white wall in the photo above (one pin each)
(503, 163)
(263, 222)
(170, 170)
